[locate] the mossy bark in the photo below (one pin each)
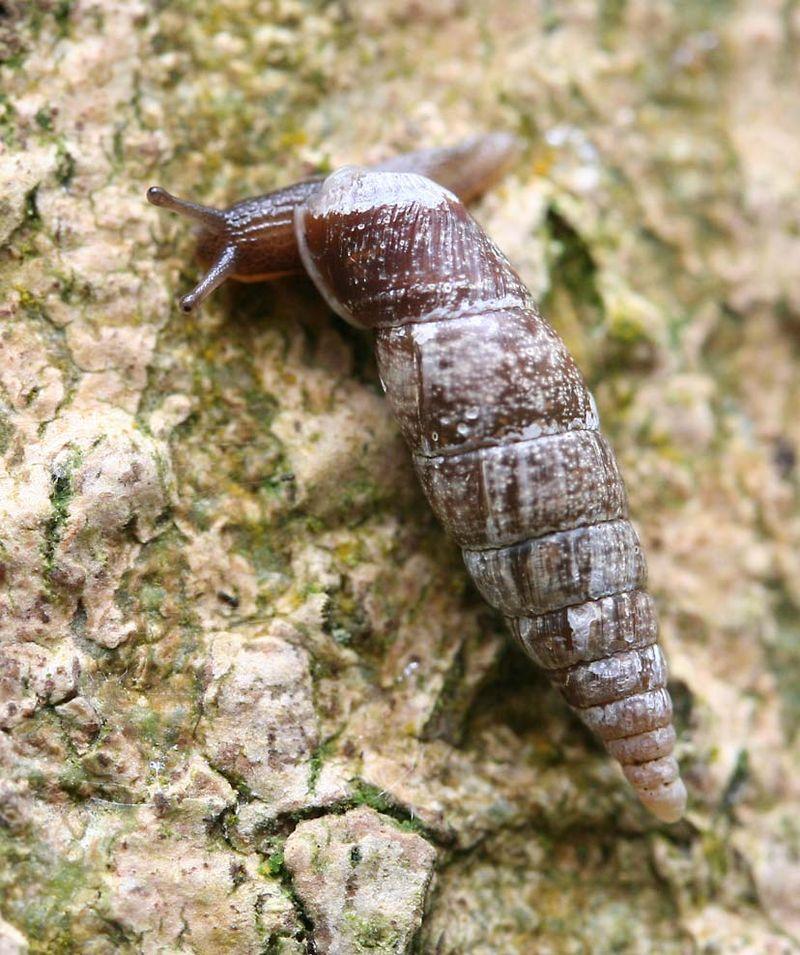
(249, 702)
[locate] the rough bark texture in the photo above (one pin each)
(248, 701)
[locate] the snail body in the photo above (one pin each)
(505, 439)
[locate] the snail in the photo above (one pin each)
(503, 431)
(254, 240)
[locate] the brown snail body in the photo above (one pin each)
(504, 436)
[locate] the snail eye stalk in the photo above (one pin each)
(222, 269)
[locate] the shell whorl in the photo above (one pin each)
(505, 440)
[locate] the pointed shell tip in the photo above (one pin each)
(668, 803)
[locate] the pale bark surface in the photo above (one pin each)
(248, 700)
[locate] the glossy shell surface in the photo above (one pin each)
(504, 436)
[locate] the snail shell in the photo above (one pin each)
(505, 440)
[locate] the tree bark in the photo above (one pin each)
(249, 702)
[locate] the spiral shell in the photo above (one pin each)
(505, 440)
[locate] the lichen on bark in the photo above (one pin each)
(248, 702)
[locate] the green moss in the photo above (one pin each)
(784, 659)
(24, 231)
(61, 13)
(372, 934)
(274, 865)
(8, 125)
(74, 780)
(6, 430)
(31, 305)
(365, 794)
(147, 723)
(234, 779)
(60, 495)
(573, 269)
(281, 483)
(346, 620)
(44, 119)
(32, 216)
(360, 493)
(151, 596)
(610, 16)
(41, 894)
(65, 165)
(324, 751)
(717, 854)
(262, 547)
(450, 708)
